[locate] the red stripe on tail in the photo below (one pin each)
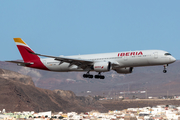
(31, 58)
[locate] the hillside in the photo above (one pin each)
(18, 93)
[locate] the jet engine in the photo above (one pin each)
(125, 70)
(102, 66)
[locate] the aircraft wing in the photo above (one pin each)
(20, 63)
(83, 63)
(115, 65)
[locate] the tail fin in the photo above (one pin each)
(25, 51)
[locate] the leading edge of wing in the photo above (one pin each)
(66, 59)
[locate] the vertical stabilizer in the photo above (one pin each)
(30, 60)
(25, 50)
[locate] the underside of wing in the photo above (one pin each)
(115, 65)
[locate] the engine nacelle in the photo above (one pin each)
(124, 70)
(102, 66)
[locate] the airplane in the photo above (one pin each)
(121, 62)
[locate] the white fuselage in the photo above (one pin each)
(124, 59)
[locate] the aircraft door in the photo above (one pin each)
(156, 55)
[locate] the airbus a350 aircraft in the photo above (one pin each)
(121, 62)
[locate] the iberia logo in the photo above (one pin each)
(101, 67)
(130, 53)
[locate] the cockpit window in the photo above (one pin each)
(167, 54)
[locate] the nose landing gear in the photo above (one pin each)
(165, 67)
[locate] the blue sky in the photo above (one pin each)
(70, 27)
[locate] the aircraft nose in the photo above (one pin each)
(173, 59)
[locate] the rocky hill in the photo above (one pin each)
(88, 102)
(18, 93)
(21, 93)
(17, 77)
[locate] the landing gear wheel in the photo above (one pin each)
(96, 76)
(90, 76)
(164, 71)
(102, 77)
(87, 75)
(99, 76)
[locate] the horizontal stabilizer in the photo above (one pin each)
(20, 63)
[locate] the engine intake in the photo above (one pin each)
(102, 66)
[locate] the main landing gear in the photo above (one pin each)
(165, 67)
(99, 76)
(87, 75)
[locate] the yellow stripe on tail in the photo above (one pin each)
(19, 40)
